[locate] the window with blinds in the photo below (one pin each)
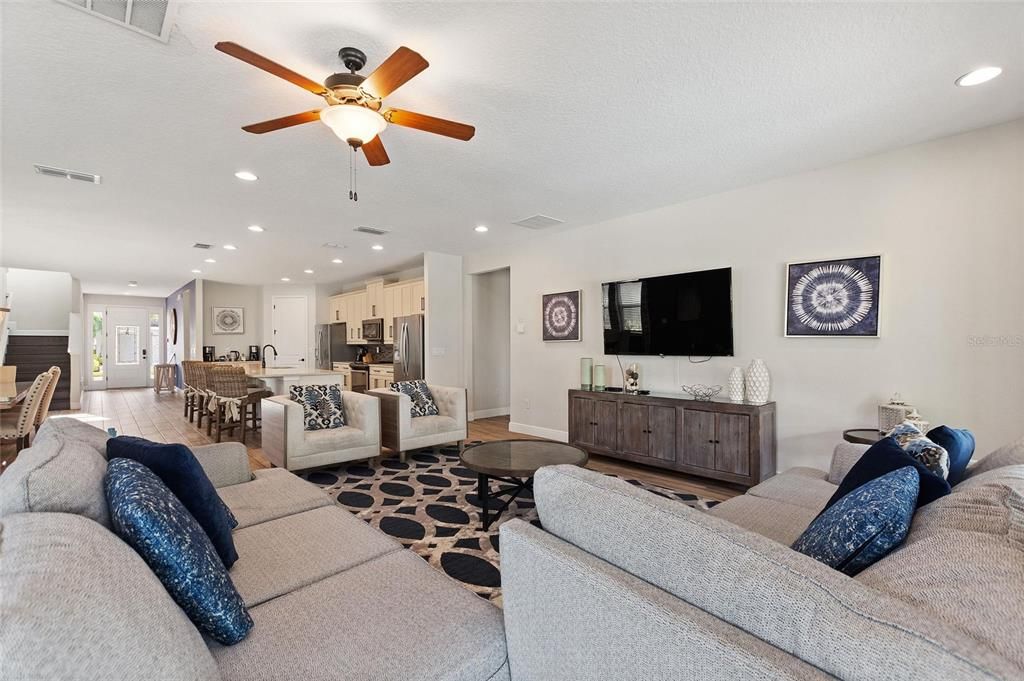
(626, 297)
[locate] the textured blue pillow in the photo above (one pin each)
(883, 457)
(151, 519)
(865, 525)
(959, 444)
(178, 468)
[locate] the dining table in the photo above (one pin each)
(13, 394)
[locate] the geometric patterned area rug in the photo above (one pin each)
(429, 503)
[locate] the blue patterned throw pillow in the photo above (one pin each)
(865, 525)
(150, 519)
(423, 403)
(322, 407)
(916, 444)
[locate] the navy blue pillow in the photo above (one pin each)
(178, 468)
(865, 525)
(883, 457)
(151, 519)
(959, 444)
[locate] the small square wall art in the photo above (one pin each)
(561, 316)
(833, 297)
(228, 320)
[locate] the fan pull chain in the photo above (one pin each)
(353, 189)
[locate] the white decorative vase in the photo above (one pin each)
(736, 384)
(758, 383)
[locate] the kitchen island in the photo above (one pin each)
(279, 379)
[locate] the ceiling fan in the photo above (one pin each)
(355, 109)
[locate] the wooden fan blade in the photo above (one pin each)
(285, 122)
(375, 154)
(438, 126)
(396, 70)
(249, 57)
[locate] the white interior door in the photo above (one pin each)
(128, 347)
(291, 331)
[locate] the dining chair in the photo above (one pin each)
(44, 406)
(18, 427)
(201, 386)
(8, 373)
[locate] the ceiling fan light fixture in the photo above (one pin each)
(352, 123)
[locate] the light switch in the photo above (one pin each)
(520, 327)
(438, 352)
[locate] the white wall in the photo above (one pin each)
(442, 275)
(948, 217)
(250, 299)
(490, 344)
(40, 301)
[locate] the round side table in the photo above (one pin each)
(863, 436)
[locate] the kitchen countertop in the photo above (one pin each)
(285, 372)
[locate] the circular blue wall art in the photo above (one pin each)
(833, 297)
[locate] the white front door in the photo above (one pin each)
(290, 336)
(128, 346)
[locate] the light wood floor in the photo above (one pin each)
(160, 418)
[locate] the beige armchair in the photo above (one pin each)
(400, 432)
(289, 445)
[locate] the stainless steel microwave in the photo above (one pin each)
(373, 330)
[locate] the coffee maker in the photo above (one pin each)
(254, 353)
(209, 353)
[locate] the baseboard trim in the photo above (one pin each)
(488, 413)
(549, 433)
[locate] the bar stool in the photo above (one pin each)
(164, 378)
(233, 403)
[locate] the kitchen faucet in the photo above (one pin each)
(264, 353)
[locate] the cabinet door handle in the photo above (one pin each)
(711, 442)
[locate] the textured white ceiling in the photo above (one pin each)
(583, 111)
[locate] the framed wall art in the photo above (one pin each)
(228, 320)
(561, 316)
(833, 298)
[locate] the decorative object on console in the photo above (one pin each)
(423, 403)
(322, 407)
(917, 445)
(599, 377)
(865, 525)
(631, 378)
(758, 382)
(701, 391)
(586, 373)
(959, 445)
(561, 316)
(893, 414)
(153, 521)
(228, 320)
(883, 457)
(918, 421)
(833, 297)
(736, 384)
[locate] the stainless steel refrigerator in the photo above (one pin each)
(330, 345)
(409, 347)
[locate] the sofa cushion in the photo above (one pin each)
(423, 403)
(78, 603)
(73, 427)
(959, 444)
(865, 525)
(395, 618)
(318, 441)
(177, 468)
(770, 518)
(917, 445)
(280, 556)
(1008, 455)
(432, 425)
(321, 405)
(272, 493)
(794, 487)
(58, 473)
(884, 457)
(151, 519)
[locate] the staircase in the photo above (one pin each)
(35, 354)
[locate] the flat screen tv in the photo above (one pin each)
(686, 314)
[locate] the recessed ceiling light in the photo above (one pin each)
(337, 261)
(230, 247)
(481, 228)
(197, 271)
(209, 260)
(247, 176)
(308, 271)
(377, 247)
(978, 76)
(133, 284)
(255, 228)
(285, 279)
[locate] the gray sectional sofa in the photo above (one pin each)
(331, 597)
(623, 584)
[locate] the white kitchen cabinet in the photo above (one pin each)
(391, 294)
(419, 297)
(381, 377)
(374, 299)
(357, 309)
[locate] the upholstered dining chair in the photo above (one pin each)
(44, 407)
(18, 427)
(197, 390)
(8, 373)
(232, 402)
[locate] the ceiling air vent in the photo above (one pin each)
(148, 17)
(66, 174)
(538, 222)
(371, 230)
(334, 244)
(204, 247)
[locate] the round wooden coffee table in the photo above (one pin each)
(513, 462)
